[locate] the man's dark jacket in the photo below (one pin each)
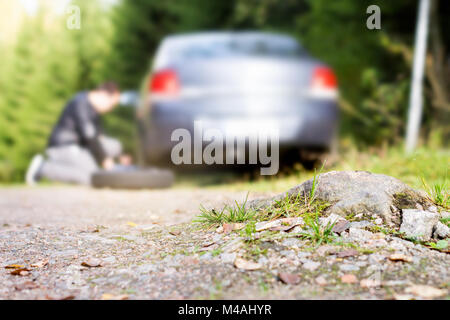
(79, 124)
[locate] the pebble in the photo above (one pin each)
(228, 257)
(348, 267)
(311, 265)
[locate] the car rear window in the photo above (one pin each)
(236, 47)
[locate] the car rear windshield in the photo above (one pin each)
(236, 47)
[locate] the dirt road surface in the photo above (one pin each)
(78, 243)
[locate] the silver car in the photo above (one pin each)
(232, 80)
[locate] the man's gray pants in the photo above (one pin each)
(75, 164)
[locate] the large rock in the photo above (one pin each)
(358, 192)
(418, 224)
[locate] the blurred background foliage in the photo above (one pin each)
(43, 63)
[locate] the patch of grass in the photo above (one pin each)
(216, 252)
(302, 205)
(439, 193)
(446, 221)
(296, 206)
(439, 245)
(249, 230)
(253, 250)
(386, 231)
(318, 234)
(229, 214)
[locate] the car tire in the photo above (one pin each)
(133, 179)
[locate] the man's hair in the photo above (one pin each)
(110, 86)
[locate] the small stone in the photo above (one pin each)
(348, 253)
(348, 267)
(260, 226)
(349, 278)
(426, 292)
(321, 281)
(228, 257)
(378, 221)
(360, 224)
(400, 257)
(263, 260)
(441, 231)
(109, 260)
(403, 297)
(233, 245)
(92, 263)
(418, 223)
(324, 250)
(289, 278)
(359, 234)
(311, 265)
(292, 222)
(228, 227)
(432, 209)
(303, 255)
(341, 226)
(243, 264)
(291, 243)
(369, 283)
(332, 218)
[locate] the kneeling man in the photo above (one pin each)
(77, 146)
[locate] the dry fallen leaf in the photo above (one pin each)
(68, 297)
(208, 244)
(175, 232)
(349, 278)
(246, 265)
(289, 278)
(92, 263)
(426, 292)
(40, 264)
(20, 272)
(400, 257)
(348, 253)
(14, 266)
(341, 226)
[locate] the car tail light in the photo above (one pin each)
(324, 78)
(165, 82)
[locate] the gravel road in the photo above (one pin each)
(78, 243)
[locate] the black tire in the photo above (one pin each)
(133, 179)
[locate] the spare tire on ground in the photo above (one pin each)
(133, 178)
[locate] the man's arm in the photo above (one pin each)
(90, 132)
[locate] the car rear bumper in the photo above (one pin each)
(300, 123)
